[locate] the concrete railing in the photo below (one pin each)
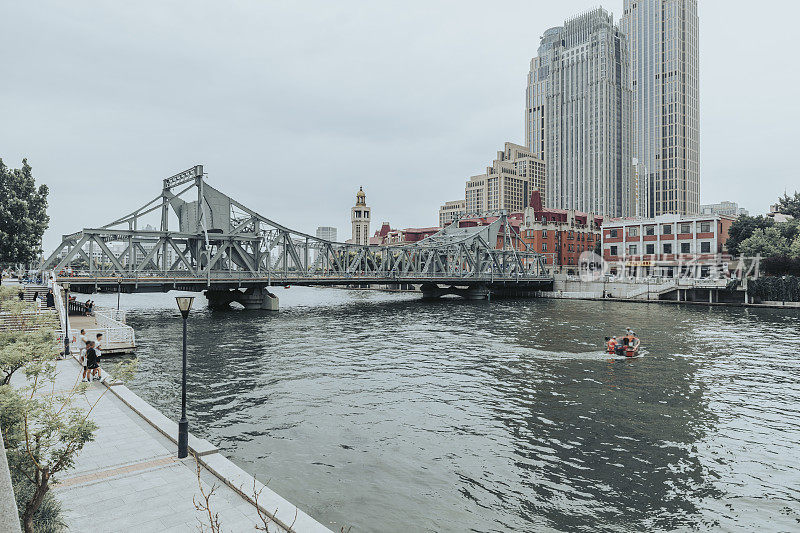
(9, 516)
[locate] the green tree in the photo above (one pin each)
(742, 228)
(23, 214)
(790, 205)
(765, 242)
(794, 248)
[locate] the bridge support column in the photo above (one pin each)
(253, 298)
(431, 291)
(477, 292)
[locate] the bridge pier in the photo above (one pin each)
(252, 298)
(431, 291)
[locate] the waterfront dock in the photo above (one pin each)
(129, 478)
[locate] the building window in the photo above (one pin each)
(650, 249)
(705, 247)
(686, 248)
(705, 227)
(613, 250)
(544, 234)
(686, 228)
(650, 230)
(633, 231)
(668, 248)
(544, 246)
(613, 234)
(666, 229)
(632, 249)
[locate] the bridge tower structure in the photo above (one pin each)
(193, 237)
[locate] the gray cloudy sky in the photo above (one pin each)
(292, 105)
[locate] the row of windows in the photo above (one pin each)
(666, 229)
(666, 248)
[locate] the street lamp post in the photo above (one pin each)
(783, 290)
(184, 304)
(119, 289)
(66, 318)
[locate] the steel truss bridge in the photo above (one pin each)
(233, 253)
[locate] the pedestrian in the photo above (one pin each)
(98, 345)
(37, 300)
(21, 295)
(51, 299)
(50, 282)
(92, 363)
(82, 359)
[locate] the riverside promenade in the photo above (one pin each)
(129, 478)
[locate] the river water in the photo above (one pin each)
(381, 412)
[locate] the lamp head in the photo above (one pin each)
(184, 304)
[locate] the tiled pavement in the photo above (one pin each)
(129, 480)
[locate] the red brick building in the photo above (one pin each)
(560, 234)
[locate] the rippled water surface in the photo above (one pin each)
(385, 413)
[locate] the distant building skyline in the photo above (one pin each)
(723, 208)
(450, 211)
(663, 40)
(328, 233)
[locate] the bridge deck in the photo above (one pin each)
(187, 283)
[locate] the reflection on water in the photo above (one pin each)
(382, 412)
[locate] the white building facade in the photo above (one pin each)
(663, 41)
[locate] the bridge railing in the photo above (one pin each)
(238, 275)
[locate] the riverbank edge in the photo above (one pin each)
(209, 456)
(767, 304)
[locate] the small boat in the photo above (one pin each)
(287, 286)
(623, 349)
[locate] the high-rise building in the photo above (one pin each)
(451, 211)
(584, 72)
(327, 233)
(359, 216)
(663, 42)
(536, 93)
(507, 184)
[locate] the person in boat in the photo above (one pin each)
(634, 342)
(622, 345)
(611, 344)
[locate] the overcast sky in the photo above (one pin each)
(291, 106)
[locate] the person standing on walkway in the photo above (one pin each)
(83, 342)
(37, 300)
(92, 364)
(21, 295)
(51, 299)
(98, 344)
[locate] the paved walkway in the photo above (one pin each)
(129, 478)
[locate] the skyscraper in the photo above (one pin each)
(583, 71)
(536, 93)
(663, 40)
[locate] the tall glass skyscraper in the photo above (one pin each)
(663, 41)
(579, 108)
